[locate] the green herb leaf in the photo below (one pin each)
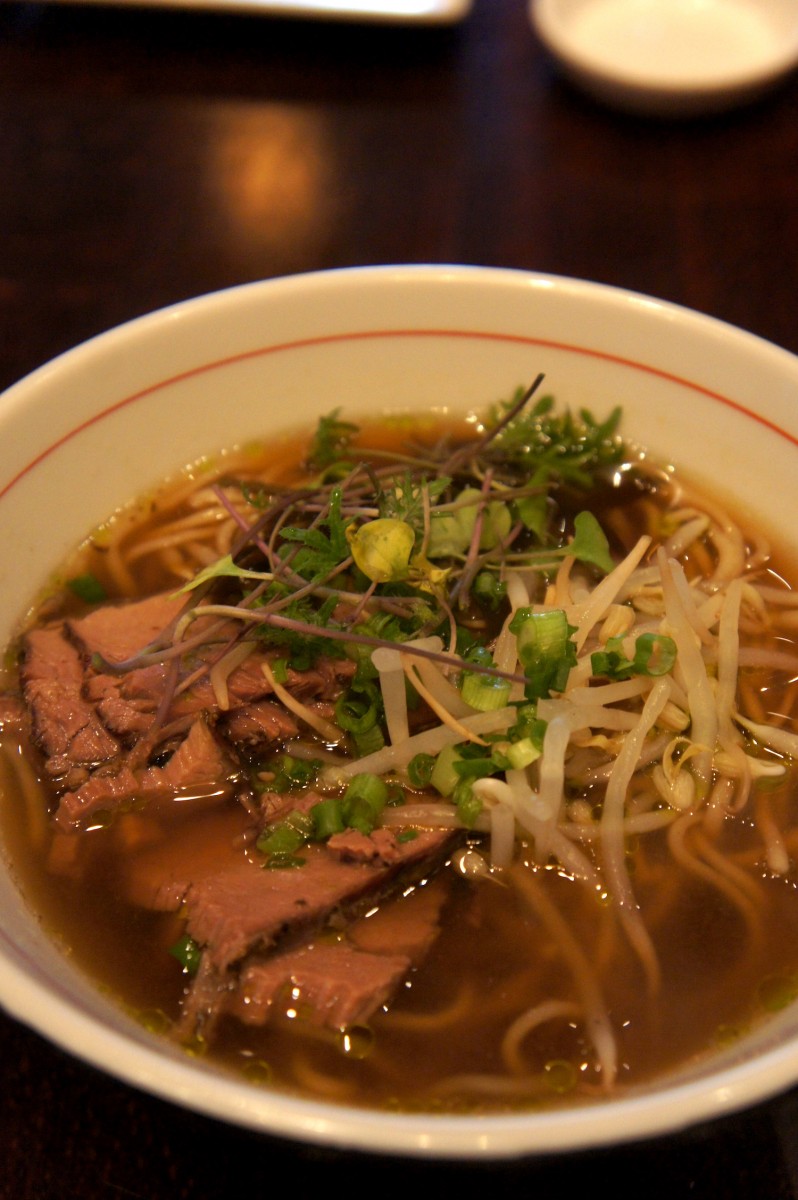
(223, 567)
(589, 543)
(331, 440)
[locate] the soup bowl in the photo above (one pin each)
(101, 424)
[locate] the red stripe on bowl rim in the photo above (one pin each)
(375, 334)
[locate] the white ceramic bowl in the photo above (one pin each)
(670, 57)
(101, 423)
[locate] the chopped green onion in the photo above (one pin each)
(363, 801)
(488, 590)
(357, 710)
(283, 862)
(475, 768)
(286, 836)
(444, 777)
(87, 587)
(468, 805)
(522, 753)
(369, 742)
(188, 953)
(288, 773)
(279, 668)
(545, 649)
(328, 818)
(419, 770)
(655, 654)
(485, 693)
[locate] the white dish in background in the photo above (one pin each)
(397, 12)
(267, 357)
(670, 57)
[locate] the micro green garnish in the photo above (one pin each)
(322, 548)
(379, 549)
(382, 549)
(558, 445)
(330, 441)
(408, 499)
(223, 568)
(589, 543)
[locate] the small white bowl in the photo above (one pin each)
(670, 57)
(104, 422)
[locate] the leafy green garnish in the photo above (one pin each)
(331, 440)
(322, 547)
(224, 567)
(559, 445)
(406, 499)
(589, 543)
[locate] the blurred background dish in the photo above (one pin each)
(670, 57)
(402, 12)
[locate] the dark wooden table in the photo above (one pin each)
(149, 155)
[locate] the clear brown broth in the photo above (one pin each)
(491, 961)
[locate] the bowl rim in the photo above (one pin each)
(672, 1107)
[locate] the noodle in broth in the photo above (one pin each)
(553, 663)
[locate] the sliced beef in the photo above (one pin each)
(247, 683)
(257, 725)
(198, 762)
(64, 725)
(407, 925)
(234, 912)
(120, 704)
(333, 985)
(379, 848)
(119, 631)
(102, 792)
(97, 728)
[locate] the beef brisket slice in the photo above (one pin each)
(250, 907)
(119, 631)
(63, 724)
(333, 985)
(198, 762)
